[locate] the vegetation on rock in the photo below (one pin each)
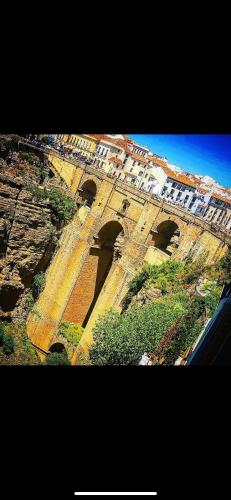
(63, 206)
(38, 284)
(71, 331)
(165, 326)
(15, 346)
(57, 358)
(122, 339)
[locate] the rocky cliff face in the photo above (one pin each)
(25, 241)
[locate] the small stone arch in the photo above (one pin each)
(166, 236)
(57, 347)
(87, 192)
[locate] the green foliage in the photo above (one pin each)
(188, 330)
(29, 301)
(29, 157)
(165, 277)
(38, 284)
(57, 358)
(42, 174)
(18, 349)
(212, 299)
(223, 268)
(134, 287)
(1, 333)
(8, 343)
(71, 331)
(63, 206)
(122, 339)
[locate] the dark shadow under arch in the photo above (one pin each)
(104, 249)
(57, 347)
(166, 236)
(88, 192)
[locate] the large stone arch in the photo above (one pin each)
(164, 216)
(90, 178)
(110, 218)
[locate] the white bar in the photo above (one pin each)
(116, 493)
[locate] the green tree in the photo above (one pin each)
(122, 339)
(224, 268)
(188, 330)
(8, 343)
(71, 331)
(57, 358)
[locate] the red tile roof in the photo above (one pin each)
(158, 161)
(179, 177)
(222, 198)
(116, 160)
(138, 157)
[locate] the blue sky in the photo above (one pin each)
(198, 154)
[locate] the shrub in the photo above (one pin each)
(29, 301)
(223, 268)
(71, 331)
(63, 206)
(188, 330)
(38, 284)
(122, 339)
(57, 358)
(8, 343)
(134, 287)
(1, 333)
(163, 276)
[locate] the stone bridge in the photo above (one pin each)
(116, 229)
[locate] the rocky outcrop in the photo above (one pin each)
(25, 242)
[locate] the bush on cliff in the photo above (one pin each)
(63, 206)
(31, 158)
(223, 268)
(57, 358)
(71, 331)
(1, 333)
(122, 339)
(23, 353)
(8, 343)
(166, 277)
(38, 284)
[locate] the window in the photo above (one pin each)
(140, 172)
(131, 169)
(134, 163)
(186, 198)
